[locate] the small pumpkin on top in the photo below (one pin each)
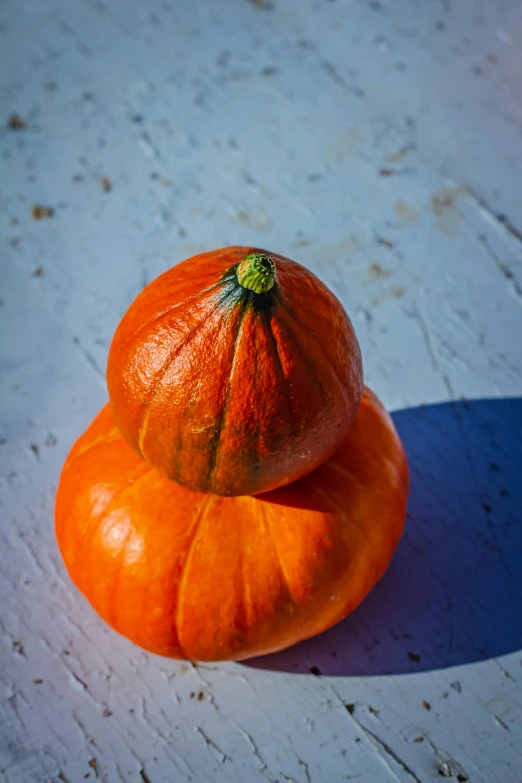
(235, 372)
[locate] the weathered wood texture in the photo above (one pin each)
(379, 143)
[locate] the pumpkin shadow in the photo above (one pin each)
(453, 592)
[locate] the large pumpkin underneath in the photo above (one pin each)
(230, 391)
(203, 577)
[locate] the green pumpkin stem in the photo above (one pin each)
(256, 272)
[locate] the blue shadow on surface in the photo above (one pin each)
(453, 592)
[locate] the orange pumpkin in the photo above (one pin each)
(204, 577)
(235, 372)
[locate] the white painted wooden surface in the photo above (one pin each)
(380, 143)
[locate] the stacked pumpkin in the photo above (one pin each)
(242, 490)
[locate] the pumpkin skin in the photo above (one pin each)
(209, 578)
(228, 391)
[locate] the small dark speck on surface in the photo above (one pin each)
(350, 708)
(386, 172)
(94, 764)
(377, 272)
(137, 118)
(414, 657)
(457, 686)
(263, 5)
(77, 178)
(442, 200)
(315, 670)
(38, 681)
(426, 705)
(201, 695)
(504, 492)
(386, 242)
(493, 467)
(269, 70)
(223, 58)
(37, 271)
(144, 776)
(373, 710)
(487, 507)
(35, 450)
(40, 212)
(106, 184)
(19, 648)
(106, 713)
(50, 440)
(419, 739)
(16, 123)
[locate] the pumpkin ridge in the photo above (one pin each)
(104, 437)
(279, 363)
(284, 575)
(275, 348)
(344, 517)
(221, 305)
(265, 315)
(172, 309)
(155, 385)
(310, 366)
(313, 336)
(113, 610)
(96, 520)
(182, 581)
(330, 463)
(257, 444)
(245, 603)
(216, 439)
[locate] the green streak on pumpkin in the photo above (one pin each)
(256, 272)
